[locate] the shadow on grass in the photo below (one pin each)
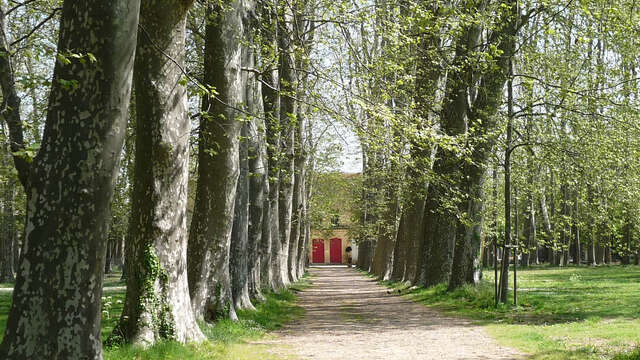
(228, 339)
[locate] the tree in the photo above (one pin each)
(70, 185)
(218, 164)
(157, 304)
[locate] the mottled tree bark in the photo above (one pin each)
(212, 222)
(55, 313)
(288, 121)
(238, 262)
(482, 121)
(438, 242)
(400, 251)
(271, 100)
(297, 246)
(305, 234)
(157, 305)
(415, 240)
(259, 244)
(385, 244)
(8, 236)
(266, 273)
(439, 223)
(466, 267)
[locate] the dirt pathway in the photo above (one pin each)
(349, 316)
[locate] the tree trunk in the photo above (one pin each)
(577, 253)
(466, 267)
(271, 101)
(266, 273)
(298, 197)
(238, 262)
(400, 251)
(546, 227)
(109, 255)
(218, 168)
(303, 184)
(415, 237)
(626, 258)
(8, 236)
(288, 120)
(157, 304)
(259, 243)
(439, 239)
(383, 253)
(56, 312)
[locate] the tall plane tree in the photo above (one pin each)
(157, 304)
(218, 163)
(56, 306)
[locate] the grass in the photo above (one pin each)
(114, 279)
(563, 313)
(226, 339)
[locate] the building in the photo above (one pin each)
(331, 242)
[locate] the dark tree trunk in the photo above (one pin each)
(466, 268)
(8, 236)
(56, 310)
(157, 305)
(109, 255)
(212, 222)
(383, 253)
(400, 251)
(364, 255)
(439, 239)
(440, 225)
(415, 240)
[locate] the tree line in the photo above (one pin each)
(173, 139)
(182, 140)
(488, 128)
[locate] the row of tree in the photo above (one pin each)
(488, 126)
(136, 85)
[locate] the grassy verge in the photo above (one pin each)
(227, 339)
(563, 313)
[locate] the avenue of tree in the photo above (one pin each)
(183, 141)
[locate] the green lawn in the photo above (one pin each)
(563, 313)
(227, 339)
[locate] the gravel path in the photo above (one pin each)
(349, 316)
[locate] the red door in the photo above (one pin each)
(335, 250)
(318, 251)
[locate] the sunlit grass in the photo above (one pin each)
(562, 313)
(226, 339)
